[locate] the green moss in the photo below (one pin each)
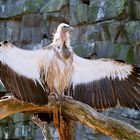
(130, 58)
(83, 50)
(123, 52)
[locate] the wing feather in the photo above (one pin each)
(105, 83)
(21, 72)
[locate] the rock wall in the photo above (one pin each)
(103, 28)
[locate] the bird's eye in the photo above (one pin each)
(58, 47)
(65, 26)
(0, 45)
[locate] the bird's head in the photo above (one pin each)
(62, 33)
(62, 40)
(64, 28)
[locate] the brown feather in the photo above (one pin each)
(108, 93)
(23, 88)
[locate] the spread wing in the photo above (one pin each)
(20, 72)
(105, 83)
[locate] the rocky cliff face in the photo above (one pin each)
(103, 28)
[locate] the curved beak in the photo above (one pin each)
(68, 29)
(71, 29)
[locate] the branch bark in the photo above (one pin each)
(44, 126)
(76, 111)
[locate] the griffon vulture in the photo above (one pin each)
(56, 69)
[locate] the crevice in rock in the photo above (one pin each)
(121, 31)
(45, 36)
(86, 2)
(97, 22)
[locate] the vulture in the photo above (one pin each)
(32, 75)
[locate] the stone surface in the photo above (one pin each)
(11, 8)
(84, 133)
(107, 39)
(136, 9)
(84, 50)
(9, 30)
(112, 31)
(54, 13)
(16, 126)
(31, 29)
(98, 10)
(54, 6)
(115, 50)
(102, 49)
(133, 31)
(129, 116)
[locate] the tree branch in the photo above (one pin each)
(76, 111)
(44, 126)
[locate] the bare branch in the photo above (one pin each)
(44, 126)
(76, 111)
(11, 105)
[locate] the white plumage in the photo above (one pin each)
(101, 83)
(91, 70)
